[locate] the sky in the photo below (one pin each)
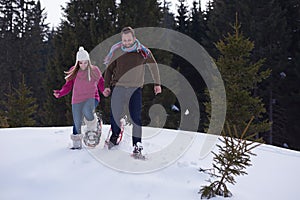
(54, 13)
(36, 163)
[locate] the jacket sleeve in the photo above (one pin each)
(66, 88)
(101, 84)
(151, 62)
(108, 74)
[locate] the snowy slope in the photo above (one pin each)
(37, 164)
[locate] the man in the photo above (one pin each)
(124, 79)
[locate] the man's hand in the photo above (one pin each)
(157, 89)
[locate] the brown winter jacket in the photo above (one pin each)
(128, 69)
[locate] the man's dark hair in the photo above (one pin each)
(127, 30)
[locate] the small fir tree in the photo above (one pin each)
(20, 106)
(231, 161)
(3, 122)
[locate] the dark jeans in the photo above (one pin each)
(84, 109)
(132, 98)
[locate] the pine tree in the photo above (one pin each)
(20, 106)
(33, 51)
(191, 26)
(197, 24)
(197, 30)
(241, 76)
(168, 20)
(287, 97)
(23, 32)
(182, 19)
(3, 122)
(232, 160)
(260, 20)
(54, 109)
(137, 13)
(9, 44)
(207, 41)
(273, 47)
(182, 26)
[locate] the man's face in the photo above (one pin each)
(127, 39)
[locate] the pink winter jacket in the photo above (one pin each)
(83, 89)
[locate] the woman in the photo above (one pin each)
(84, 80)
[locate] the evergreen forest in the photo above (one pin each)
(255, 45)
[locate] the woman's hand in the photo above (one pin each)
(56, 93)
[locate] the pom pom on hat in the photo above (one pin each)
(82, 54)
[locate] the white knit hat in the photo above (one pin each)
(83, 55)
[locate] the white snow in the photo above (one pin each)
(36, 163)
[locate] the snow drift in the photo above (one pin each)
(36, 163)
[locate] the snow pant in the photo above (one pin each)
(84, 109)
(132, 98)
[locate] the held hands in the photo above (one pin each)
(106, 92)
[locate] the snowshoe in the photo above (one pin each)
(92, 135)
(137, 152)
(112, 141)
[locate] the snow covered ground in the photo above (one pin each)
(36, 163)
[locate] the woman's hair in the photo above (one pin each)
(72, 72)
(127, 30)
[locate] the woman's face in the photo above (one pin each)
(83, 64)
